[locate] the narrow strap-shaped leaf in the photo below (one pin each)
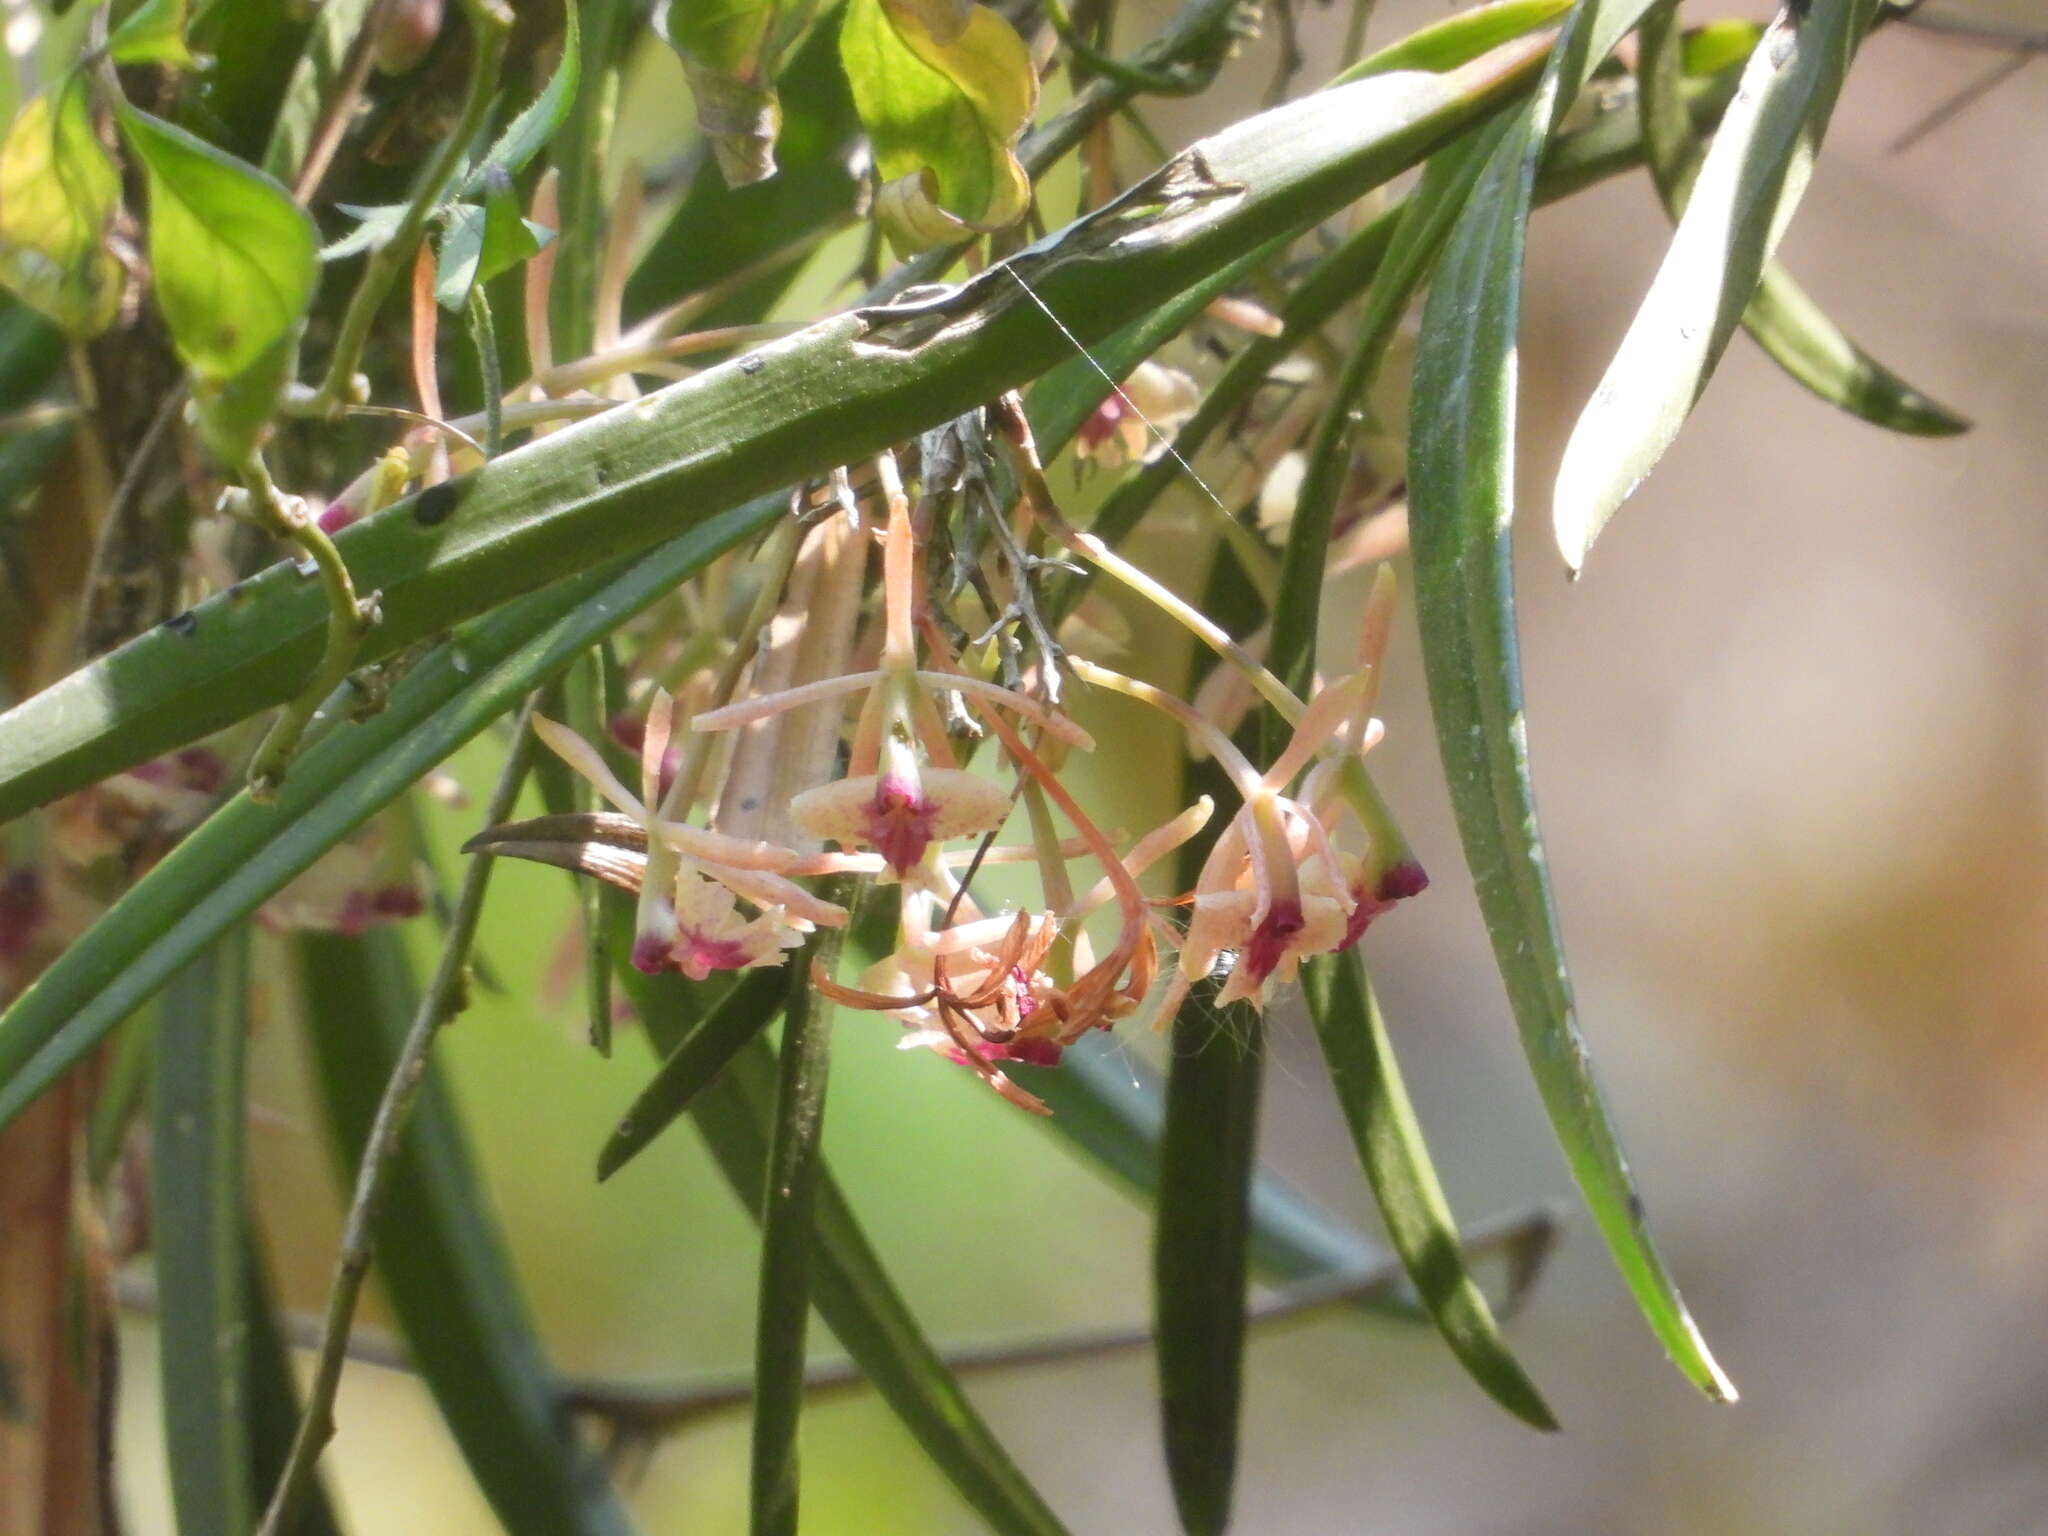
(1802, 340)
(1389, 1140)
(1747, 189)
(197, 1221)
(1206, 1156)
(272, 1403)
(836, 392)
(742, 1013)
(1461, 500)
(853, 1292)
(1427, 217)
(1450, 42)
(245, 852)
(588, 693)
(1788, 325)
(440, 1255)
(796, 1161)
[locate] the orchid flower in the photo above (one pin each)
(903, 791)
(693, 879)
(1274, 888)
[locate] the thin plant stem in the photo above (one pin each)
(1138, 78)
(490, 31)
(117, 508)
(637, 357)
(1354, 33)
(1525, 1241)
(334, 120)
(483, 331)
(444, 998)
(1013, 436)
(349, 618)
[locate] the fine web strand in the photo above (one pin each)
(1159, 435)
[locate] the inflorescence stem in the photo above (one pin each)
(349, 618)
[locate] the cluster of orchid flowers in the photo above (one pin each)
(718, 842)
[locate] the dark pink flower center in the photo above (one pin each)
(650, 954)
(1041, 1052)
(1102, 422)
(1270, 940)
(899, 823)
(396, 901)
(697, 956)
(1403, 880)
(1396, 883)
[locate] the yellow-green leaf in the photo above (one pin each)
(732, 51)
(943, 116)
(154, 33)
(233, 257)
(58, 191)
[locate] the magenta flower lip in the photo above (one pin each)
(697, 955)
(1401, 880)
(1270, 940)
(899, 822)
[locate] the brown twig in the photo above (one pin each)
(441, 1002)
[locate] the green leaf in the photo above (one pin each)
(1207, 1152)
(375, 227)
(244, 853)
(1428, 215)
(737, 1017)
(853, 1293)
(588, 689)
(1787, 324)
(154, 33)
(1803, 341)
(732, 51)
(718, 231)
(1459, 39)
(483, 242)
(440, 1255)
(528, 133)
(944, 116)
(58, 193)
(1411, 1198)
(234, 259)
(1748, 187)
(197, 1206)
(833, 394)
(1718, 45)
(796, 1162)
(1461, 499)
